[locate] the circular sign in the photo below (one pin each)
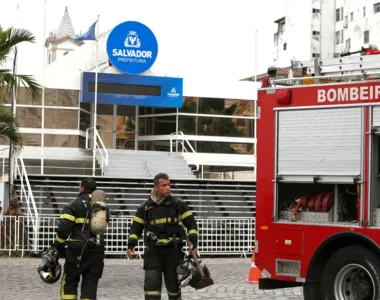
(132, 47)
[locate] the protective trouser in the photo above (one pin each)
(158, 260)
(91, 270)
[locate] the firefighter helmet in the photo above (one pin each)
(50, 268)
(189, 274)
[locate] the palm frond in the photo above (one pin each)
(9, 129)
(8, 81)
(10, 38)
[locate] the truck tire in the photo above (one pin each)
(312, 291)
(351, 273)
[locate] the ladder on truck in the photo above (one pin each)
(333, 70)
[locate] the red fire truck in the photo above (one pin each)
(318, 179)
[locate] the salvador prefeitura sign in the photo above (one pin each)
(132, 47)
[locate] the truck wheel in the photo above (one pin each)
(352, 273)
(312, 291)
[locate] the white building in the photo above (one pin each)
(217, 118)
(325, 28)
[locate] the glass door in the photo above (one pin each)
(105, 124)
(125, 127)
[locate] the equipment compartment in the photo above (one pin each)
(317, 203)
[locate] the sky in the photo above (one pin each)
(196, 38)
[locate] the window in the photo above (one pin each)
(337, 15)
(281, 27)
(351, 17)
(157, 125)
(337, 36)
(60, 140)
(345, 20)
(363, 11)
(348, 44)
(376, 7)
(366, 37)
(285, 46)
(29, 117)
(61, 118)
(60, 97)
(215, 126)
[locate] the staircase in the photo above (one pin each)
(146, 164)
(207, 198)
(225, 210)
(80, 166)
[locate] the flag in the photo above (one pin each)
(89, 35)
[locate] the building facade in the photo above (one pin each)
(320, 28)
(217, 118)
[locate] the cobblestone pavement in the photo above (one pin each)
(123, 279)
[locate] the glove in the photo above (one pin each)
(194, 242)
(60, 247)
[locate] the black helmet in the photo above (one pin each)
(50, 268)
(189, 274)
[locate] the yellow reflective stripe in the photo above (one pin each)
(162, 221)
(138, 220)
(85, 299)
(133, 236)
(153, 293)
(174, 294)
(63, 295)
(81, 220)
(59, 240)
(193, 231)
(68, 217)
(186, 214)
(166, 241)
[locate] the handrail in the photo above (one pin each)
(102, 151)
(183, 137)
(28, 194)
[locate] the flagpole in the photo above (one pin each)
(95, 101)
(43, 94)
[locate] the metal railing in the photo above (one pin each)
(217, 236)
(26, 193)
(101, 150)
(185, 143)
(229, 175)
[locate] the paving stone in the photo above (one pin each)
(123, 280)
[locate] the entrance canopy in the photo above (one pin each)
(136, 90)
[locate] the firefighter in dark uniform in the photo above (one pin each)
(84, 257)
(159, 218)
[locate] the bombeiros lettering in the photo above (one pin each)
(362, 93)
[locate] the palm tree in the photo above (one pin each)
(10, 82)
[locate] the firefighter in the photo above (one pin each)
(159, 218)
(85, 254)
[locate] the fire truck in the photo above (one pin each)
(318, 179)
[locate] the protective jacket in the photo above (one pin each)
(75, 224)
(161, 222)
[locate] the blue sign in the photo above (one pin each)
(132, 47)
(136, 90)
